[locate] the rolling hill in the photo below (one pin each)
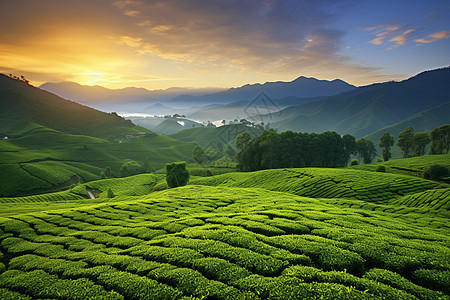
(209, 136)
(53, 143)
(359, 235)
(367, 109)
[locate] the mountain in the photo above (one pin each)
(367, 109)
(424, 121)
(302, 87)
(128, 99)
(22, 104)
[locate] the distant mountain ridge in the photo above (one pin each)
(130, 99)
(367, 109)
(142, 99)
(302, 87)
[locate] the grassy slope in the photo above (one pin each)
(224, 243)
(421, 122)
(380, 188)
(408, 166)
(206, 136)
(21, 105)
(38, 159)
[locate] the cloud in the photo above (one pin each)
(434, 37)
(264, 36)
(176, 38)
(401, 39)
(391, 33)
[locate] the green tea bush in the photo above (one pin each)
(10, 295)
(436, 172)
(40, 284)
(395, 280)
(433, 279)
(136, 287)
(381, 169)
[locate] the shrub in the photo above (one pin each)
(433, 279)
(176, 174)
(435, 172)
(354, 162)
(381, 169)
(110, 194)
(209, 173)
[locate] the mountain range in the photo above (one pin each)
(141, 99)
(367, 109)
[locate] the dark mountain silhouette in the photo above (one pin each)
(301, 87)
(367, 109)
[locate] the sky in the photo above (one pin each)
(221, 43)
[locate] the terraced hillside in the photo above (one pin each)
(371, 187)
(40, 160)
(199, 242)
(413, 166)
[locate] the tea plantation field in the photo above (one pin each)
(232, 238)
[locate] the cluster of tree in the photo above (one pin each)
(21, 78)
(414, 144)
(293, 150)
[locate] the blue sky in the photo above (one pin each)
(159, 44)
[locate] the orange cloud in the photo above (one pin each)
(401, 39)
(435, 37)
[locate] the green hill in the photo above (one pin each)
(224, 242)
(53, 143)
(207, 136)
(21, 104)
(424, 121)
(380, 188)
(39, 160)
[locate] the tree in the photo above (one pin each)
(176, 174)
(198, 154)
(366, 150)
(242, 140)
(386, 142)
(350, 147)
(440, 140)
(130, 168)
(406, 141)
(421, 140)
